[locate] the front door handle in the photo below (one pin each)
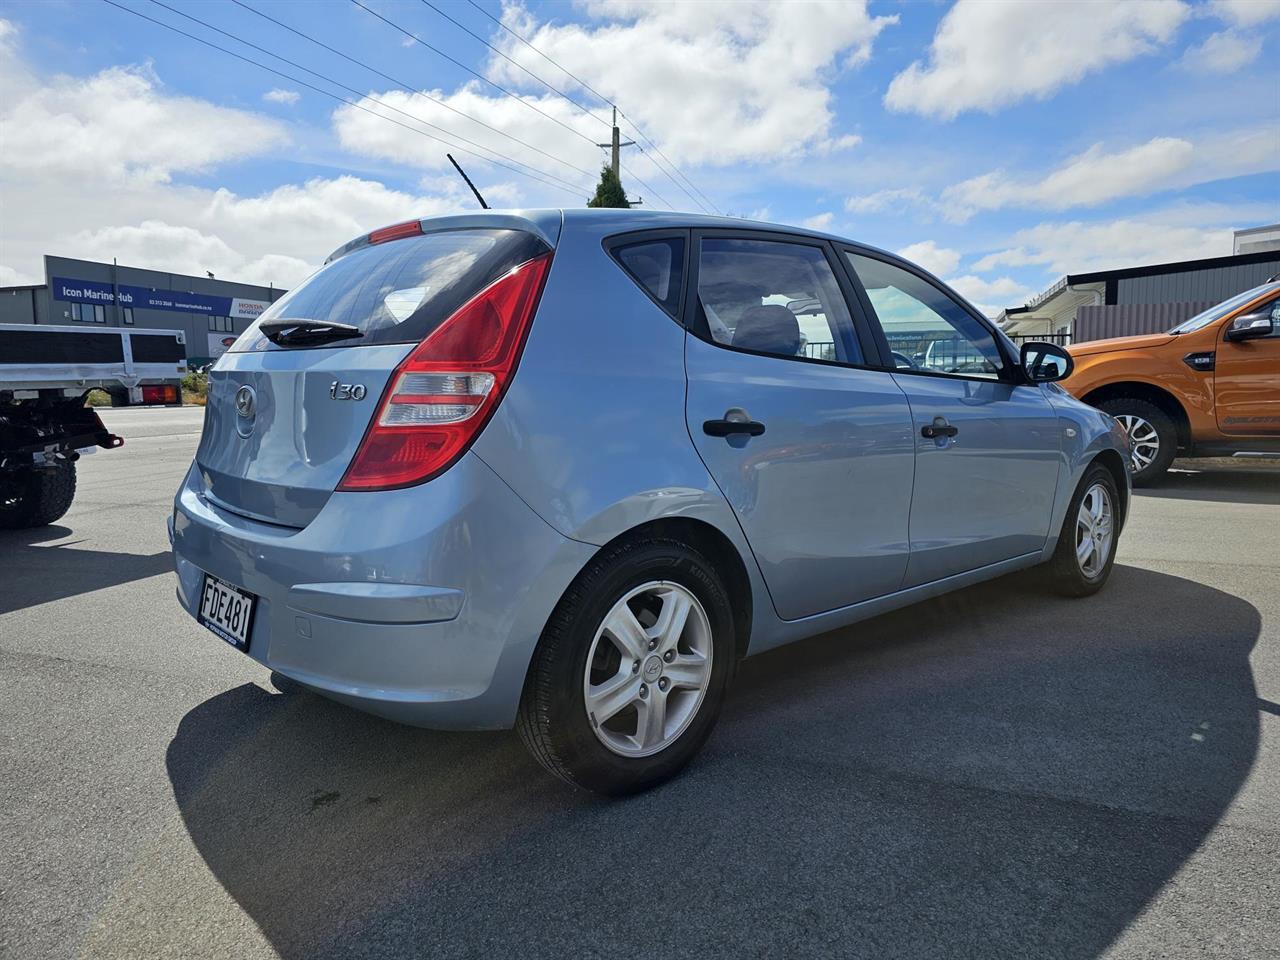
(730, 426)
(938, 429)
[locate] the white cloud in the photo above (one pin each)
(986, 55)
(1245, 13)
(1223, 52)
(1097, 176)
(888, 199)
(991, 296)
(937, 260)
(820, 221)
(1077, 247)
(120, 123)
(715, 82)
(279, 236)
(9, 277)
(282, 96)
(91, 175)
(1090, 178)
(362, 132)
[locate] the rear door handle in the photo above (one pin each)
(938, 429)
(728, 427)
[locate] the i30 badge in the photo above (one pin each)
(246, 401)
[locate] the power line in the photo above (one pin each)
(303, 83)
(576, 79)
(463, 66)
(643, 136)
(609, 101)
(403, 85)
(514, 63)
(503, 90)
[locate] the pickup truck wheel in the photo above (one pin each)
(35, 498)
(1153, 437)
(631, 670)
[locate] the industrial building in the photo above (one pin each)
(210, 312)
(1149, 299)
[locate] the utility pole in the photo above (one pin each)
(616, 145)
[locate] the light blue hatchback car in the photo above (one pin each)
(562, 469)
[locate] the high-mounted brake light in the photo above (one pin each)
(410, 228)
(441, 396)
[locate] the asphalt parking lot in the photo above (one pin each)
(994, 773)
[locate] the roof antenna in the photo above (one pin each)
(463, 175)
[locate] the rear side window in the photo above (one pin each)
(658, 267)
(774, 297)
(399, 291)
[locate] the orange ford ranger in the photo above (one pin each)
(1208, 387)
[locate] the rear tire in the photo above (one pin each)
(610, 642)
(1068, 572)
(1153, 437)
(36, 498)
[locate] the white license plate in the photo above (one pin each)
(227, 611)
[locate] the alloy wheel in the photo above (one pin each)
(648, 669)
(1144, 441)
(1095, 523)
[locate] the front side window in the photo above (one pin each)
(773, 297)
(927, 330)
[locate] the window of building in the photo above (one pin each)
(221, 324)
(75, 312)
(99, 313)
(127, 315)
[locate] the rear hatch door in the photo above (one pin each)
(286, 415)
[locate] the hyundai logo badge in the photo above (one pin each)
(246, 402)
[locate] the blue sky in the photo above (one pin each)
(999, 144)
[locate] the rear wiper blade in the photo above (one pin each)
(285, 331)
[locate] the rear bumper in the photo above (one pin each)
(422, 605)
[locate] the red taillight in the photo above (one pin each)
(159, 393)
(410, 228)
(442, 394)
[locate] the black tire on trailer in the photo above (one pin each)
(1152, 434)
(674, 677)
(36, 497)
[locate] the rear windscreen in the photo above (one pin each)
(399, 291)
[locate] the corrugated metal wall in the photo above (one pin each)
(1131, 320)
(1211, 286)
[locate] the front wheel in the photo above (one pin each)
(1153, 437)
(630, 673)
(1086, 548)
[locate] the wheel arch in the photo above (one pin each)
(710, 541)
(1140, 390)
(1114, 463)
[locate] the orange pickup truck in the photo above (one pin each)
(1208, 387)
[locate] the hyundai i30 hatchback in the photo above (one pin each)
(562, 470)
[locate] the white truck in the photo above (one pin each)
(46, 373)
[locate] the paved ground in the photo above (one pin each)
(995, 773)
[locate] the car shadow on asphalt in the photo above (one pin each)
(40, 572)
(1223, 485)
(992, 773)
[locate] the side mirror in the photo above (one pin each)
(1251, 326)
(1045, 362)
